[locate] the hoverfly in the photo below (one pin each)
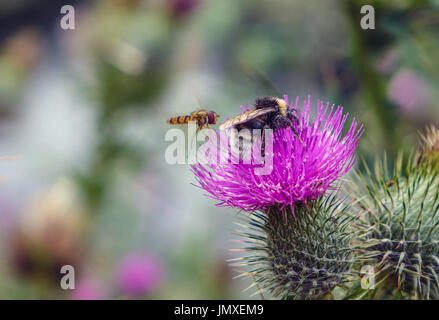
(201, 117)
(267, 113)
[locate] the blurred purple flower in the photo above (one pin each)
(180, 8)
(88, 289)
(409, 90)
(298, 173)
(139, 274)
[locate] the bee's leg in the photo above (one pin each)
(194, 137)
(298, 137)
(293, 117)
(204, 122)
(263, 143)
(200, 124)
(258, 124)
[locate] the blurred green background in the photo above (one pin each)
(83, 118)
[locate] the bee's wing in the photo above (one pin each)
(246, 116)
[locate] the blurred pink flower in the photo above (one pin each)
(139, 273)
(88, 289)
(409, 90)
(181, 8)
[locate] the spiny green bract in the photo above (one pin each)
(299, 257)
(429, 155)
(399, 226)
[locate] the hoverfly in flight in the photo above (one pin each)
(202, 118)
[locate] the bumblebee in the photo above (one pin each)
(201, 117)
(267, 113)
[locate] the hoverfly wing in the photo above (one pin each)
(246, 116)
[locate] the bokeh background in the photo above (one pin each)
(83, 118)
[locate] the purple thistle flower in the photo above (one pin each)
(88, 289)
(409, 90)
(299, 172)
(139, 273)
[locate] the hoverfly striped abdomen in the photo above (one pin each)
(179, 120)
(202, 118)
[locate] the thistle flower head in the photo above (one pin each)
(399, 226)
(302, 257)
(297, 171)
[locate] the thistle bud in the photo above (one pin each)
(304, 256)
(398, 228)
